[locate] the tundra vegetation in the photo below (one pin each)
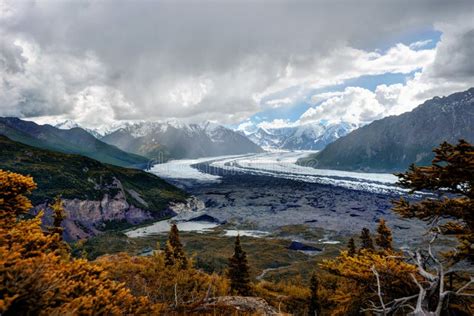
(42, 274)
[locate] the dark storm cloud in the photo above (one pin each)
(194, 58)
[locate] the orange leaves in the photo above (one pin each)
(357, 272)
(38, 275)
(13, 188)
(170, 286)
(359, 267)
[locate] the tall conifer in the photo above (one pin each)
(351, 248)
(450, 177)
(366, 240)
(384, 236)
(58, 217)
(314, 304)
(239, 271)
(174, 253)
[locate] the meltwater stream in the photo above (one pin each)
(266, 192)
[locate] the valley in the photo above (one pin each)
(267, 191)
(299, 215)
(238, 158)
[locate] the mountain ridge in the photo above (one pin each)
(161, 140)
(309, 136)
(97, 196)
(73, 141)
(394, 142)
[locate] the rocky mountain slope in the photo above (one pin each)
(72, 141)
(161, 140)
(96, 196)
(311, 136)
(393, 143)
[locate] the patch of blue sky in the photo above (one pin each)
(427, 38)
(294, 111)
(371, 82)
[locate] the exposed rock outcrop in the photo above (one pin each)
(240, 304)
(192, 204)
(296, 245)
(87, 218)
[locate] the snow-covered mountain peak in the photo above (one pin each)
(210, 126)
(180, 140)
(309, 136)
(67, 124)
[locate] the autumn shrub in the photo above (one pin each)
(38, 276)
(289, 297)
(358, 285)
(172, 286)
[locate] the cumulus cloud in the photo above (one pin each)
(314, 72)
(448, 70)
(37, 83)
(207, 60)
(420, 44)
(277, 123)
(354, 105)
(279, 102)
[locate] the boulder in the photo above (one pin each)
(296, 245)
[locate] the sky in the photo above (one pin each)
(239, 63)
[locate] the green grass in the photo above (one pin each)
(74, 176)
(212, 250)
(73, 141)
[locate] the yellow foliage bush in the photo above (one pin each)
(13, 202)
(284, 296)
(357, 286)
(37, 274)
(171, 286)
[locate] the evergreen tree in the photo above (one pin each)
(351, 248)
(174, 253)
(314, 304)
(366, 240)
(451, 178)
(239, 271)
(58, 217)
(384, 236)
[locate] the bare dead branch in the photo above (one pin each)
(379, 289)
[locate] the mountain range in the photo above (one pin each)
(172, 139)
(72, 141)
(385, 145)
(151, 139)
(395, 142)
(175, 139)
(310, 136)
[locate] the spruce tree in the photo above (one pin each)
(239, 271)
(314, 305)
(174, 253)
(351, 248)
(450, 177)
(58, 217)
(384, 236)
(366, 240)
